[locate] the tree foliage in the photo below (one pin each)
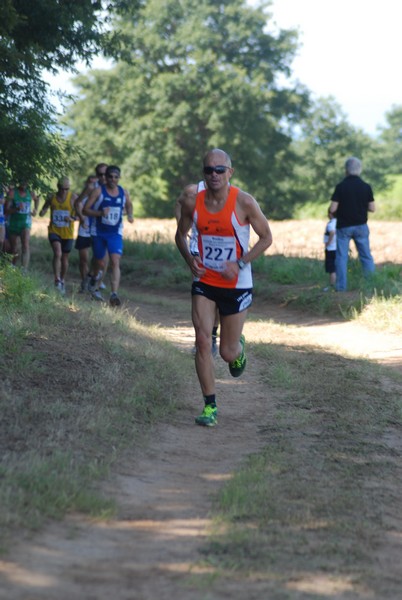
(196, 74)
(326, 140)
(192, 74)
(391, 137)
(38, 35)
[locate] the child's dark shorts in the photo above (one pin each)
(330, 256)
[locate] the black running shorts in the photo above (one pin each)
(229, 301)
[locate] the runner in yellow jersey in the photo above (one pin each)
(61, 229)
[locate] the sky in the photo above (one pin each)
(351, 50)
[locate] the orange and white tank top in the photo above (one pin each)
(222, 238)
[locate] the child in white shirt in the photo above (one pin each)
(330, 250)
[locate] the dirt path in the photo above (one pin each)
(151, 550)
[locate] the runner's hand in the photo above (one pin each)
(197, 268)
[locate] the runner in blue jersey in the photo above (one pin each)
(84, 238)
(107, 204)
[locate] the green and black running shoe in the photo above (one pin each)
(237, 366)
(208, 417)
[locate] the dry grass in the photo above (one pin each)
(291, 238)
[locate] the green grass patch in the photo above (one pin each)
(306, 500)
(390, 201)
(283, 270)
(382, 313)
(77, 387)
(296, 281)
(300, 282)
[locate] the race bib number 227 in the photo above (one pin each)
(217, 251)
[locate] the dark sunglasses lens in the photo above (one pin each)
(217, 170)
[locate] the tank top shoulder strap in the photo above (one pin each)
(199, 201)
(230, 204)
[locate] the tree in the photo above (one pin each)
(326, 140)
(44, 34)
(196, 74)
(391, 137)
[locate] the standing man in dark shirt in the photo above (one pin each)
(351, 201)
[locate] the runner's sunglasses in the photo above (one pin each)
(219, 170)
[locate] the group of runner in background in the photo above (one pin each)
(99, 209)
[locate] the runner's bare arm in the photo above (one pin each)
(252, 213)
(78, 204)
(35, 199)
(187, 205)
(129, 207)
(249, 211)
(189, 191)
(78, 201)
(186, 202)
(45, 206)
(9, 209)
(88, 210)
(177, 209)
(73, 212)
